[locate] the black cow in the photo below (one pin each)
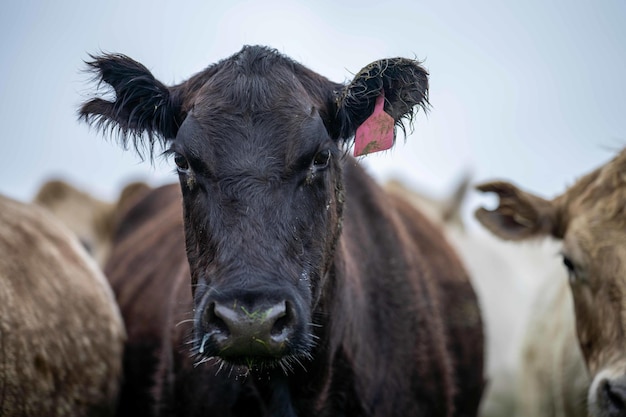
(313, 292)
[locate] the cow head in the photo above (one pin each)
(257, 140)
(590, 218)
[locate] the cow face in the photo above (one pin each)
(257, 140)
(262, 202)
(591, 219)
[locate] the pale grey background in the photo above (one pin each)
(530, 90)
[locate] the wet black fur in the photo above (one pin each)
(385, 322)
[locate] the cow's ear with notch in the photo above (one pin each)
(380, 98)
(519, 215)
(143, 107)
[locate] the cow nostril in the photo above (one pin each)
(234, 329)
(215, 325)
(283, 324)
(615, 396)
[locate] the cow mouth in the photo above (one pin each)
(251, 354)
(286, 364)
(607, 393)
(245, 365)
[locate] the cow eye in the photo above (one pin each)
(322, 159)
(181, 163)
(571, 268)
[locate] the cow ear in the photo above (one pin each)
(399, 85)
(451, 206)
(54, 191)
(519, 215)
(142, 108)
(131, 193)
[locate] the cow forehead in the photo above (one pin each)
(256, 102)
(602, 201)
(253, 84)
(597, 222)
(592, 242)
(259, 113)
(601, 210)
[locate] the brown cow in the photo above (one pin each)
(507, 278)
(61, 333)
(313, 293)
(590, 218)
(91, 219)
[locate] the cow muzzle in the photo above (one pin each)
(612, 397)
(608, 397)
(237, 331)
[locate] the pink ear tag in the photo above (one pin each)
(376, 132)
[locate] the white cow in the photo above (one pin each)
(552, 376)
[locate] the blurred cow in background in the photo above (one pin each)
(91, 219)
(524, 300)
(590, 219)
(61, 333)
(552, 379)
(445, 212)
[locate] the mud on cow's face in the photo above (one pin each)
(590, 218)
(258, 140)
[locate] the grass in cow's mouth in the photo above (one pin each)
(243, 366)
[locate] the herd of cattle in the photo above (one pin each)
(278, 279)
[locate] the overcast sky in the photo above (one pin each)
(532, 91)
